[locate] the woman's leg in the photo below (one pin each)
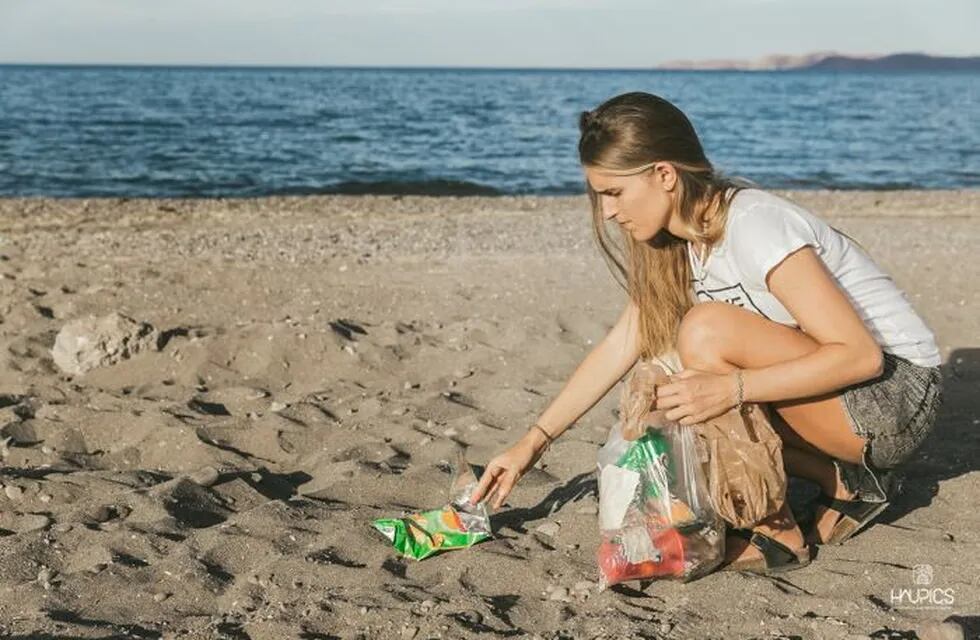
(720, 337)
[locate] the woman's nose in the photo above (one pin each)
(608, 208)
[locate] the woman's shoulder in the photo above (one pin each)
(763, 227)
(752, 208)
(752, 199)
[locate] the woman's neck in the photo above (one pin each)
(705, 214)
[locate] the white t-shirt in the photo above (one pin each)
(762, 229)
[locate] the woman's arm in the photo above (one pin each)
(606, 364)
(848, 353)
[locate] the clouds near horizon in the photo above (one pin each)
(508, 33)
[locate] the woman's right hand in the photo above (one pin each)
(504, 471)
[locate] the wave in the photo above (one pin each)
(438, 187)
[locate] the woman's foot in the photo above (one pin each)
(824, 519)
(781, 527)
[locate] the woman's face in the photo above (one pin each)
(642, 203)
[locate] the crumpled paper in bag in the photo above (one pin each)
(636, 400)
(746, 479)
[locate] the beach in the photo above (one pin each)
(318, 361)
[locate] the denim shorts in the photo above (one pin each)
(894, 413)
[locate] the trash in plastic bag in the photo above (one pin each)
(455, 526)
(655, 517)
(747, 481)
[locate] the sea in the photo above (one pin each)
(70, 131)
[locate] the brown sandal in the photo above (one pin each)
(855, 515)
(776, 557)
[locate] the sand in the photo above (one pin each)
(322, 358)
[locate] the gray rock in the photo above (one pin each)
(205, 476)
(23, 522)
(558, 593)
(947, 630)
(88, 343)
(13, 492)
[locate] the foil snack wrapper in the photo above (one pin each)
(457, 525)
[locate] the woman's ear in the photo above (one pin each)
(666, 174)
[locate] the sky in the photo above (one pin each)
(473, 33)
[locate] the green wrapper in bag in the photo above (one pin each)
(647, 454)
(456, 526)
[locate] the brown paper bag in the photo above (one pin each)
(745, 472)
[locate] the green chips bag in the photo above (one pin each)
(420, 535)
(456, 526)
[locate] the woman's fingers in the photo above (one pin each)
(504, 488)
(487, 481)
(670, 389)
(668, 402)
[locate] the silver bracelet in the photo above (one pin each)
(739, 390)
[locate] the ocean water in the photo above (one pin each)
(176, 132)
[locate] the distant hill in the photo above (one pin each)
(832, 61)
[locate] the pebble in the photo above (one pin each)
(13, 492)
(160, 597)
(549, 529)
(583, 585)
(205, 476)
(559, 594)
(62, 527)
(277, 406)
(43, 497)
(46, 577)
(409, 632)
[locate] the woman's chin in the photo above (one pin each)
(640, 235)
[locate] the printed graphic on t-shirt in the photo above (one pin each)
(735, 294)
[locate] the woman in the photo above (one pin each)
(764, 302)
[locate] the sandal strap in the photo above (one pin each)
(774, 552)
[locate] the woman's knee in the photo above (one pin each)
(702, 334)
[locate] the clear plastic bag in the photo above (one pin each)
(655, 517)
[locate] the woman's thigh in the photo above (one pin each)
(717, 336)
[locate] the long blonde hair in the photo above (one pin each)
(629, 134)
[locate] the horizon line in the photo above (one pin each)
(361, 67)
